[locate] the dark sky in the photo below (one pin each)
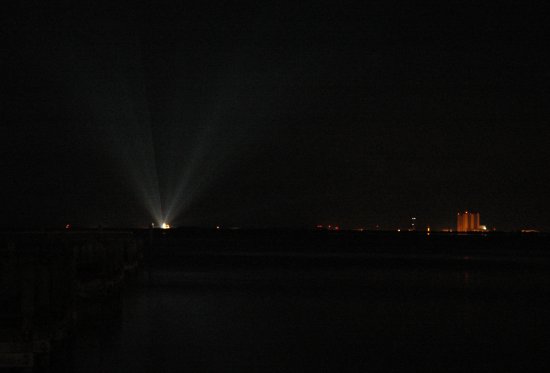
(272, 115)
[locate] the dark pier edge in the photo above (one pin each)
(50, 280)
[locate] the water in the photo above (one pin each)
(378, 313)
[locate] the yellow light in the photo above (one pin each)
(165, 226)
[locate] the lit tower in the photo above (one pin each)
(413, 224)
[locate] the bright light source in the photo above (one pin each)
(165, 226)
(217, 227)
(68, 226)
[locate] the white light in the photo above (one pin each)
(165, 226)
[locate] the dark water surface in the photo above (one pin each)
(309, 314)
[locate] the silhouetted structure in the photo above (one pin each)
(46, 278)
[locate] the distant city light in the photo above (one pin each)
(68, 226)
(331, 227)
(217, 227)
(165, 226)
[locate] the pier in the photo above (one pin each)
(46, 281)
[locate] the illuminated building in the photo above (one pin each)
(468, 222)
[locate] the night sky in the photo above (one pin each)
(255, 114)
